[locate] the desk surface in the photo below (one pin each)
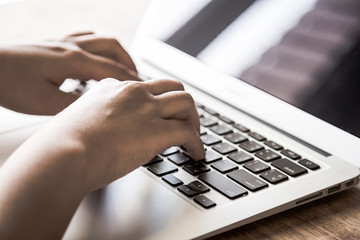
(334, 217)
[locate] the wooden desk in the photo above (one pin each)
(333, 217)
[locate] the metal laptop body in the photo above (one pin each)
(143, 206)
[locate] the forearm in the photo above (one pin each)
(41, 185)
(108, 132)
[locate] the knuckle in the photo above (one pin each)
(56, 46)
(135, 88)
(75, 54)
(188, 98)
(178, 84)
(58, 49)
(109, 41)
(113, 41)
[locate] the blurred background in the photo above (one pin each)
(22, 20)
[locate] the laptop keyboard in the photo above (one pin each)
(237, 161)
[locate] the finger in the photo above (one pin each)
(106, 47)
(88, 66)
(178, 105)
(181, 133)
(80, 34)
(157, 87)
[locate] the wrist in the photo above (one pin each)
(65, 161)
(51, 156)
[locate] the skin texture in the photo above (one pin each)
(106, 133)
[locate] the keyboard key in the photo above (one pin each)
(211, 156)
(247, 180)
(274, 176)
(309, 164)
(196, 168)
(200, 113)
(180, 158)
(172, 180)
(251, 146)
(240, 157)
(186, 190)
(156, 159)
(207, 122)
(256, 166)
(202, 131)
(257, 136)
(170, 151)
(183, 148)
(198, 105)
(267, 155)
(235, 137)
(224, 166)
(162, 168)
(210, 111)
(220, 129)
(199, 187)
(273, 145)
(209, 139)
(290, 154)
(289, 167)
(225, 119)
(240, 127)
(224, 148)
(204, 201)
(222, 184)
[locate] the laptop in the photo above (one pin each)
(276, 87)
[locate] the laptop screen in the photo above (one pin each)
(306, 53)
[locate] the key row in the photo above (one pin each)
(222, 130)
(253, 147)
(217, 162)
(225, 166)
(233, 186)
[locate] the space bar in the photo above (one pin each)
(222, 184)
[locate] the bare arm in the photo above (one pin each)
(105, 134)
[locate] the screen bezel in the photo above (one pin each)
(242, 95)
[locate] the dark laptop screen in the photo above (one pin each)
(306, 53)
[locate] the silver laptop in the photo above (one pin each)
(276, 84)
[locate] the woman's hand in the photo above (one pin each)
(109, 131)
(30, 75)
(121, 125)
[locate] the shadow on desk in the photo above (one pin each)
(333, 217)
